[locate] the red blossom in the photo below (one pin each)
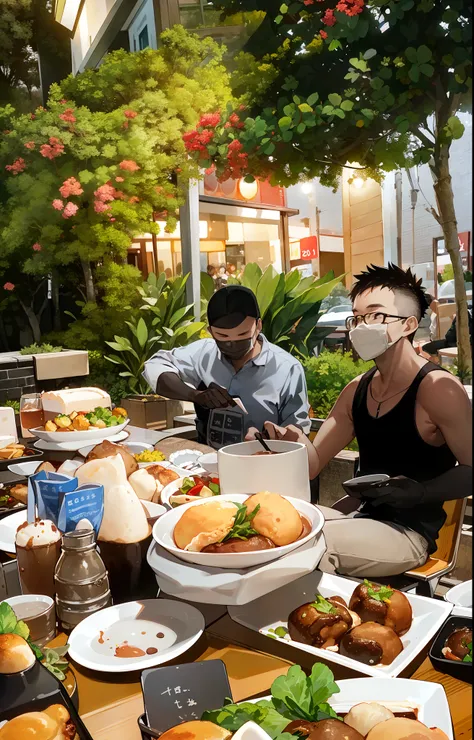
(119, 179)
(209, 119)
(36, 247)
(210, 170)
(71, 186)
(101, 207)
(68, 116)
(70, 209)
(130, 114)
(112, 219)
(52, 150)
(129, 165)
(323, 34)
(58, 204)
(125, 124)
(329, 18)
(18, 166)
(29, 144)
(105, 193)
(308, 2)
(8, 286)
(134, 199)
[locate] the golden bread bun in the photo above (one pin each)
(277, 519)
(47, 725)
(204, 525)
(401, 728)
(196, 731)
(15, 654)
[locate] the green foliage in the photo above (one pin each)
(103, 374)
(15, 405)
(39, 349)
(327, 375)
(290, 306)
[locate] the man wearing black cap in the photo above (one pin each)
(237, 363)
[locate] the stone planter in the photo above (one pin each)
(21, 374)
(338, 470)
(151, 411)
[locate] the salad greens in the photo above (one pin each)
(242, 528)
(468, 658)
(323, 605)
(384, 593)
(294, 697)
(101, 413)
(52, 659)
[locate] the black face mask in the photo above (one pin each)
(238, 349)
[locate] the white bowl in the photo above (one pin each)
(86, 434)
(209, 462)
(174, 487)
(154, 511)
(461, 597)
(164, 528)
(286, 473)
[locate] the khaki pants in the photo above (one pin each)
(366, 548)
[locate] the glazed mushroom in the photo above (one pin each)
(371, 643)
(320, 623)
(382, 604)
(457, 645)
(326, 729)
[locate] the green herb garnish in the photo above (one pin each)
(323, 605)
(280, 631)
(468, 658)
(384, 593)
(188, 483)
(242, 528)
(215, 488)
(55, 662)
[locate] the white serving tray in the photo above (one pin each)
(428, 699)
(461, 597)
(272, 611)
(77, 436)
(72, 446)
(227, 588)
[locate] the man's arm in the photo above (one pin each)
(294, 408)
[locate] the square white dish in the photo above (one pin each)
(72, 446)
(428, 700)
(225, 587)
(272, 611)
(461, 597)
(84, 436)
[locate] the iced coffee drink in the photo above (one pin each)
(38, 547)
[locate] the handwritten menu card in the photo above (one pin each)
(181, 693)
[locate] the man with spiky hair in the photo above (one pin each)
(412, 422)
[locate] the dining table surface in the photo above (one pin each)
(110, 703)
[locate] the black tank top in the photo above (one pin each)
(392, 444)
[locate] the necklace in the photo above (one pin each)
(385, 399)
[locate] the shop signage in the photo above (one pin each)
(309, 248)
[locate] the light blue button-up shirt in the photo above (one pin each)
(272, 386)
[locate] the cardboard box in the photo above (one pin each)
(151, 412)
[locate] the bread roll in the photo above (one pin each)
(204, 525)
(143, 484)
(196, 730)
(110, 449)
(401, 728)
(48, 725)
(276, 519)
(15, 654)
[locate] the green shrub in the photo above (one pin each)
(39, 349)
(102, 374)
(327, 375)
(15, 405)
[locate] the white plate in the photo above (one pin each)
(273, 610)
(230, 587)
(83, 436)
(209, 462)
(133, 447)
(428, 699)
(71, 446)
(184, 457)
(174, 487)
(164, 528)
(461, 597)
(181, 626)
(25, 469)
(251, 731)
(8, 527)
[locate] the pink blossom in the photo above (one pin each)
(105, 193)
(68, 116)
(18, 166)
(113, 219)
(100, 206)
(58, 204)
(54, 149)
(129, 165)
(71, 186)
(125, 124)
(70, 209)
(134, 199)
(63, 101)
(8, 286)
(130, 114)
(308, 2)
(36, 247)
(119, 179)
(29, 144)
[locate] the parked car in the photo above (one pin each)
(336, 316)
(446, 291)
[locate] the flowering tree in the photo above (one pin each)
(83, 176)
(374, 83)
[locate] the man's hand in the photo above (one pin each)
(288, 434)
(214, 397)
(399, 492)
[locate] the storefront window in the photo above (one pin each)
(233, 30)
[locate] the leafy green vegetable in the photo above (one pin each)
(9, 624)
(242, 528)
(215, 488)
(233, 716)
(323, 605)
(188, 483)
(384, 593)
(468, 658)
(55, 662)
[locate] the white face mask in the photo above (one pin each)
(370, 341)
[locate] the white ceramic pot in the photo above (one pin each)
(241, 471)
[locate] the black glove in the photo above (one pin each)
(214, 397)
(399, 492)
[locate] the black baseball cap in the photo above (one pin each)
(231, 305)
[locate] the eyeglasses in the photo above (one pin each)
(372, 318)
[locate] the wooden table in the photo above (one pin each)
(110, 704)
